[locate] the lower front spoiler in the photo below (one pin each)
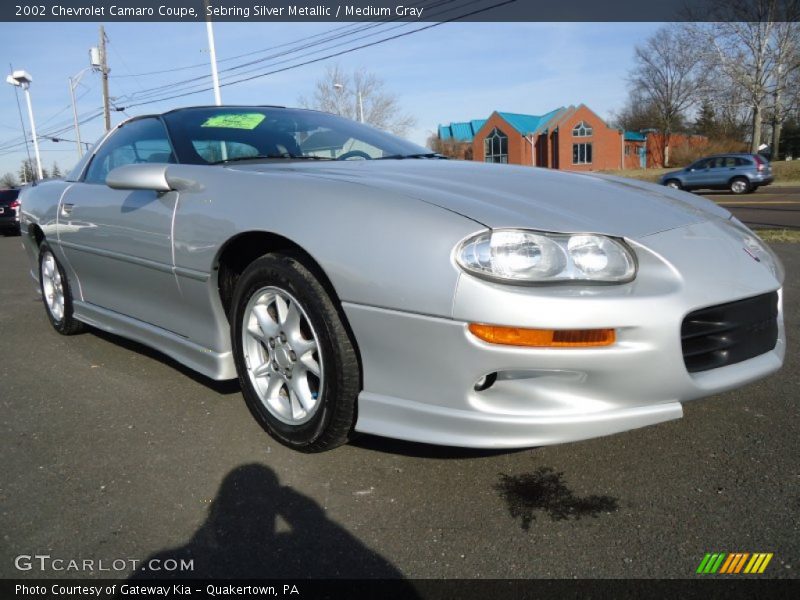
(417, 422)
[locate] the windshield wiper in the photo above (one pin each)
(420, 155)
(284, 156)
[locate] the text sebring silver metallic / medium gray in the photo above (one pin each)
(355, 282)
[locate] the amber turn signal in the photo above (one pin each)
(543, 338)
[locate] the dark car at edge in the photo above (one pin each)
(9, 211)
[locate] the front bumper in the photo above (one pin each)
(420, 371)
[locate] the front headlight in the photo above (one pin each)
(520, 256)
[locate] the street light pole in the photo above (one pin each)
(213, 52)
(73, 83)
(339, 87)
(26, 87)
(23, 79)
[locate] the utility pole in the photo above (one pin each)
(104, 72)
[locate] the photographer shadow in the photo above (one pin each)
(241, 539)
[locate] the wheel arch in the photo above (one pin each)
(36, 234)
(242, 249)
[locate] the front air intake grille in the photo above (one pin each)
(729, 333)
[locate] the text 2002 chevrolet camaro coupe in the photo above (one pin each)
(356, 282)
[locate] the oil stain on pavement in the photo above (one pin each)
(544, 490)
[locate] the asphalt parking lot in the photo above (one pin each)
(771, 206)
(112, 451)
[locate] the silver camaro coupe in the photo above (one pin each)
(355, 282)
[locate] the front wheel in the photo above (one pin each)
(740, 185)
(673, 183)
(297, 365)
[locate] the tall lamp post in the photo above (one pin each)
(23, 79)
(339, 87)
(74, 81)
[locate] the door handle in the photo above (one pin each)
(66, 209)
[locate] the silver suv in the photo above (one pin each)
(739, 173)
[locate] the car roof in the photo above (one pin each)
(221, 106)
(729, 154)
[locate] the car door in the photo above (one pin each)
(695, 173)
(119, 242)
(717, 173)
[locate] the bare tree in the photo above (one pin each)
(338, 92)
(27, 171)
(9, 180)
(753, 46)
(450, 148)
(669, 75)
(638, 113)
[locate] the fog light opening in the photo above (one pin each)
(485, 382)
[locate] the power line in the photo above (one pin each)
(187, 84)
(357, 26)
(151, 95)
(54, 132)
(319, 59)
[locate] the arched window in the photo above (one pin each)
(495, 147)
(582, 129)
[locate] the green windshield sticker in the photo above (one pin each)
(235, 121)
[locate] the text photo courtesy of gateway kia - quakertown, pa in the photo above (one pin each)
(429, 299)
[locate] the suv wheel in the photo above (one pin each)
(740, 185)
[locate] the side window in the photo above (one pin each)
(701, 164)
(141, 141)
(743, 162)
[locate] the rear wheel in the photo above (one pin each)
(739, 185)
(674, 184)
(297, 367)
(56, 293)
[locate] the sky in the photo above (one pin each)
(453, 72)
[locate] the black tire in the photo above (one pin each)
(331, 424)
(739, 185)
(64, 324)
(673, 183)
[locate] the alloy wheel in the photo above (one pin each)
(282, 355)
(52, 286)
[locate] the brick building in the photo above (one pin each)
(571, 138)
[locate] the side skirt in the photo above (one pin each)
(215, 365)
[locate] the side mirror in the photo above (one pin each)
(145, 176)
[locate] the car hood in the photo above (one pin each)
(512, 196)
(669, 174)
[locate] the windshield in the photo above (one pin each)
(218, 134)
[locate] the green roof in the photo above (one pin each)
(528, 124)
